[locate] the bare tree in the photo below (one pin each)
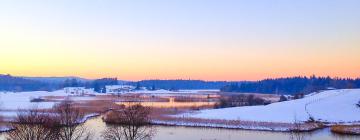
(296, 133)
(131, 123)
(71, 119)
(34, 125)
(126, 132)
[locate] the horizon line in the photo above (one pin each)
(279, 77)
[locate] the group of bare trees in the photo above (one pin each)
(64, 123)
(33, 125)
(130, 123)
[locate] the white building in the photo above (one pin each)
(77, 91)
(115, 89)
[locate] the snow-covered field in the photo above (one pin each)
(333, 106)
(21, 100)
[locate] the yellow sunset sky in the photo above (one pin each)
(180, 39)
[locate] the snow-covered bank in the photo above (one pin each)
(262, 126)
(88, 116)
(5, 129)
(333, 106)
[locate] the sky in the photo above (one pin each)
(180, 39)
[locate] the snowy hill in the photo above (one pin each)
(55, 80)
(333, 106)
(61, 80)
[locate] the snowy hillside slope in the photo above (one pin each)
(333, 106)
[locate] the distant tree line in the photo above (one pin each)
(180, 84)
(292, 85)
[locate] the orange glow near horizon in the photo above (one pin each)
(128, 62)
(159, 65)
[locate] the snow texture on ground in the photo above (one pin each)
(333, 106)
(21, 100)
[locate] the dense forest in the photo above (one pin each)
(180, 84)
(293, 85)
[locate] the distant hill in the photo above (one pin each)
(22, 83)
(181, 84)
(56, 80)
(61, 80)
(10, 83)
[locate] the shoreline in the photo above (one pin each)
(276, 128)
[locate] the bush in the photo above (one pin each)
(132, 115)
(130, 123)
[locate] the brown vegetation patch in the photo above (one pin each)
(96, 106)
(346, 129)
(130, 123)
